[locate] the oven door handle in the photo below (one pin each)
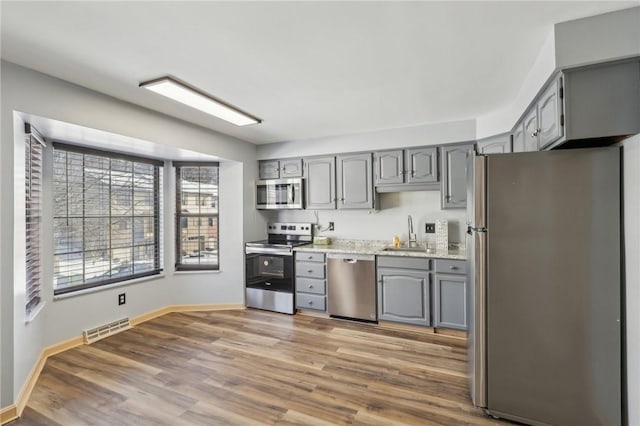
(268, 250)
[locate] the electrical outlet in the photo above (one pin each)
(331, 226)
(430, 228)
(122, 299)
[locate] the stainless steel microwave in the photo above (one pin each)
(276, 194)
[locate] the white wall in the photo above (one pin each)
(631, 150)
(428, 134)
(605, 37)
(599, 38)
(503, 120)
(30, 92)
(389, 220)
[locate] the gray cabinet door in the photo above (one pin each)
(389, 167)
(421, 165)
(518, 137)
(499, 144)
(450, 302)
(453, 189)
(550, 126)
(269, 169)
(355, 183)
(291, 168)
(530, 124)
(403, 296)
(320, 183)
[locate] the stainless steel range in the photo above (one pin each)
(270, 279)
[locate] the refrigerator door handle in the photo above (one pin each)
(480, 320)
(472, 229)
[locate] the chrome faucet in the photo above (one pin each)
(412, 237)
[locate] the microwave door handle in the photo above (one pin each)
(293, 193)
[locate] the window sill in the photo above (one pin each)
(32, 316)
(196, 272)
(107, 287)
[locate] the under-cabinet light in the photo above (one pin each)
(181, 92)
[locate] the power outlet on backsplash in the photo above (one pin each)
(430, 228)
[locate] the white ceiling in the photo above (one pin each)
(308, 69)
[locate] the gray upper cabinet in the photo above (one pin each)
(549, 107)
(320, 183)
(269, 169)
(543, 123)
(581, 107)
(277, 169)
(406, 169)
(518, 137)
(421, 165)
(453, 191)
(530, 124)
(389, 167)
(354, 181)
(291, 168)
(499, 144)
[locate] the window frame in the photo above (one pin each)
(179, 216)
(157, 216)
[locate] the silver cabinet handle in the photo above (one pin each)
(310, 302)
(310, 286)
(453, 267)
(267, 283)
(310, 257)
(310, 271)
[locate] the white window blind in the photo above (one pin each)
(34, 145)
(106, 219)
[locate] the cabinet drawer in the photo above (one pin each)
(420, 263)
(311, 285)
(307, 269)
(310, 301)
(451, 266)
(307, 256)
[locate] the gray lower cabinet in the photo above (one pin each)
(404, 291)
(320, 183)
(354, 181)
(450, 307)
(453, 191)
(311, 288)
(499, 144)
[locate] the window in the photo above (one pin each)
(106, 220)
(196, 216)
(34, 145)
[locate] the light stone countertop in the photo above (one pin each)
(376, 247)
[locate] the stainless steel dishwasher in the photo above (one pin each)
(351, 286)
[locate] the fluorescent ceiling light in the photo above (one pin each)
(181, 92)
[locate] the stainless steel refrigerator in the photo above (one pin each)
(544, 248)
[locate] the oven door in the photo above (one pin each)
(268, 271)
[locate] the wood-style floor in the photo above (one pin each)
(253, 367)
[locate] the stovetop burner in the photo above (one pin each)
(283, 237)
